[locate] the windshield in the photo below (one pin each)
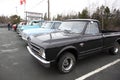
(47, 25)
(22, 23)
(34, 23)
(73, 26)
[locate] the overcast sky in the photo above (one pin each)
(11, 7)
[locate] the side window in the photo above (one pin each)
(56, 25)
(92, 28)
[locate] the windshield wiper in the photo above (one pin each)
(68, 31)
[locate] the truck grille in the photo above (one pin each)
(35, 48)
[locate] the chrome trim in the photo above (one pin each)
(24, 38)
(34, 47)
(38, 58)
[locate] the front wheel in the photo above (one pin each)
(116, 49)
(66, 62)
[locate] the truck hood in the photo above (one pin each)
(54, 39)
(37, 31)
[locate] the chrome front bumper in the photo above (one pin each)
(42, 61)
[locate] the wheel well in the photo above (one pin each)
(118, 41)
(73, 51)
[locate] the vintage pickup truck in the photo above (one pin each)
(76, 38)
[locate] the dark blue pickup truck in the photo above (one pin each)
(76, 38)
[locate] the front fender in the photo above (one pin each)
(68, 48)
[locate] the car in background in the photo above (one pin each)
(47, 27)
(20, 25)
(14, 26)
(31, 25)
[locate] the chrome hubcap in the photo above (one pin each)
(67, 64)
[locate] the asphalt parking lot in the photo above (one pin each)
(17, 64)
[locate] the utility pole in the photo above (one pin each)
(102, 22)
(48, 10)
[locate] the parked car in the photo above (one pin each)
(31, 25)
(47, 27)
(20, 25)
(77, 38)
(14, 26)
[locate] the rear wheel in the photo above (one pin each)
(66, 62)
(116, 49)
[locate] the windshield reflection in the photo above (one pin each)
(73, 26)
(47, 25)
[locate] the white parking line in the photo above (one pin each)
(97, 70)
(9, 50)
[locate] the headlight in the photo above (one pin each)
(21, 30)
(29, 39)
(42, 53)
(25, 35)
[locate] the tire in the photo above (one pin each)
(66, 62)
(116, 49)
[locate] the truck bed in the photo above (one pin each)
(108, 31)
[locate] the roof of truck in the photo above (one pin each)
(81, 20)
